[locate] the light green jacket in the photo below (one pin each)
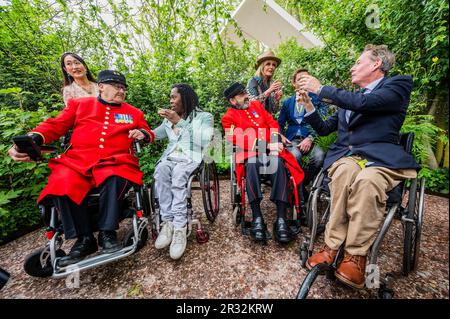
(195, 133)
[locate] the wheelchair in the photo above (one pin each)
(44, 262)
(408, 208)
(206, 175)
(239, 201)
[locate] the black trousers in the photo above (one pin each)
(274, 168)
(79, 220)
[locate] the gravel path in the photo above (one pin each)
(231, 266)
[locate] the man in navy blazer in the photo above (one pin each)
(366, 161)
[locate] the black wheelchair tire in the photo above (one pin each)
(320, 226)
(237, 216)
(145, 194)
(128, 239)
(310, 278)
(211, 202)
(412, 231)
(32, 264)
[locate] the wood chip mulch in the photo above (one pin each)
(231, 266)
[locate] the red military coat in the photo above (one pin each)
(99, 146)
(244, 127)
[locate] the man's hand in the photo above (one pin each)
(304, 99)
(136, 134)
(278, 94)
(275, 148)
(171, 115)
(18, 157)
(285, 140)
(309, 83)
(305, 145)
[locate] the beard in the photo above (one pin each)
(244, 105)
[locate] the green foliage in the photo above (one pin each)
(424, 130)
(21, 183)
(159, 43)
(436, 180)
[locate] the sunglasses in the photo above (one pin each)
(118, 86)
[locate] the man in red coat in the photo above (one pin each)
(257, 135)
(99, 156)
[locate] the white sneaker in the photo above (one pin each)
(178, 244)
(165, 235)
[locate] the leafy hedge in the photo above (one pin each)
(20, 183)
(185, 47)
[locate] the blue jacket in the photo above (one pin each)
(373, 129)
(289, 115)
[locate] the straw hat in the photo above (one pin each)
(268, 55)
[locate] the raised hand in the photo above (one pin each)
(171, 115)
(304, 99)
(309, 83)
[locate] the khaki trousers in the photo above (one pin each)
(358, 203)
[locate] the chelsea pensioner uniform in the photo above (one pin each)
(244, 127)
(99, 146)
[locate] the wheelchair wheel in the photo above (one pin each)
(413, 226)
(311, 277)
(145, 195)
(210, 191)
(39, 264)
(154, 212)
(237, 215)
(143, 237)
(318, 209)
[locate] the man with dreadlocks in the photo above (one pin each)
(189, 130)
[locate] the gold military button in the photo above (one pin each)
(105, 127)
(101, 146)
(103, 133)
(107, 113)
(108, 108)
(106, 122)
(102, 140)
(106, 117)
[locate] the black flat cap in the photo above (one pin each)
(235, 89)
(106, 76)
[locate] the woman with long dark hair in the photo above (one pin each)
(189, 130)
(78, 79)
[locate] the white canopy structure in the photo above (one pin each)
(268, 23)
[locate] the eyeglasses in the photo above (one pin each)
(118, 86)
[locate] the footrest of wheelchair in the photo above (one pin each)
(245, 227)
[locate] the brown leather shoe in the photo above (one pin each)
(325, 255)
(352, 271)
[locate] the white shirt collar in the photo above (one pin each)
(369, 87)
